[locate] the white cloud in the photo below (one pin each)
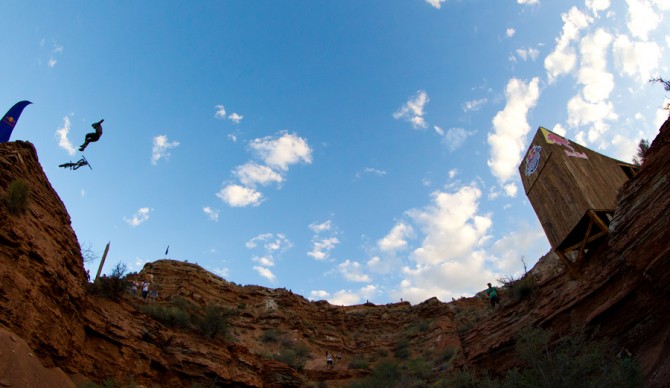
(347, 297)
(642, 18)
(510, 189)
(283, 151)
(252, 173)
(352, 271)
(240, 196)
(265, 261)
(639, 60)
(321, 247)
(318, 295)
(413, 111)
(597, 5)
(63, 140)
(511, 248)
(563, 59)
(270, 242)
(52, 63)
(213, 214)
(235, 118)
(223, 272)
(220, 112)
(474, 105)
(511, 127)
(598, 82)
(322, 227)
(265, 272)
(510, 32)
(436, 3)
(452, 173)
(161, 148)
(529, 53)
(455, 138)
(438, 130)
(528, 1)
(451, 225)
(370, 171)
(140, 216)
(396, 239)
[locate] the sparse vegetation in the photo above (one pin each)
(401, 349)
(522, 287)
(17, 196)
(270, 336)
(642, 149)
(213, 323)
(666, 86)
(88, 254)
(172, 316)
(111, 286)
(358, 363)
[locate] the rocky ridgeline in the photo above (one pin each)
(73, 336)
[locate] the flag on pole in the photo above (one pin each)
(9, 120)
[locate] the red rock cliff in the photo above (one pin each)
(44, 300)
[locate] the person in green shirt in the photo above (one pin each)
(493, 295)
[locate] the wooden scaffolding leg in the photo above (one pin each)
(568, 265)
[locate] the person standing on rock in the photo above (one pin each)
(329, 360)
(145, 289)
(493, 295)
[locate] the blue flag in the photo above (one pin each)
(9, 120)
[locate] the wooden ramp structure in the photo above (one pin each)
(573, 191)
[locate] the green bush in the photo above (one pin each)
(520, 288)
(358, 363)
(401, 349)
(111, 286)
(213, 323)
(571, 362)
(18, 194)
(270, 336)
(290, 358)
(172, 316)
(385, 375)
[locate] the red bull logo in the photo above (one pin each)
(9, 120)
(553, 138)
(533, 160)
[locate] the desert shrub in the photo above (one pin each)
(385, 375)
(358, 363)
(520, 288)
(111, 286)
(270, 335)
(572, 362)
(448, 354)
(172, 316)
(401, 349)
(302, 350)
(17, 196)
(290, 358)
(465, 378)
(419, 369)
(214, 322)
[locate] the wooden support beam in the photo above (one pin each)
(102, 262)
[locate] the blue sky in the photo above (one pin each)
(346, 150)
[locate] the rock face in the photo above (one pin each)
(275, 338)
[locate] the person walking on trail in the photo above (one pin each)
(493, 295)
(93, 136)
